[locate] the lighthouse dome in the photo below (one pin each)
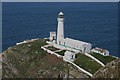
(61, 15)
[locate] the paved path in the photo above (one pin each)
(81, 69)
(47, 45)
(94, 59)
(57, 50)
(51, 52)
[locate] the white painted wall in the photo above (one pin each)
(106, 53)
(52, 34)
(69, 55)
(60, 29)
(69, 43)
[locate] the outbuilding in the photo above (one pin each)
(70, 56)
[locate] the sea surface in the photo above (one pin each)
(92, 22)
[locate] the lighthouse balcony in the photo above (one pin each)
(61, 16)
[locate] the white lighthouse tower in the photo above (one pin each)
(67, 43)
(60, 29)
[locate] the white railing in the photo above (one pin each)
(81, 69)
(27, 41)
(94, 59)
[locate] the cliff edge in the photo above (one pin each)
(30, 61)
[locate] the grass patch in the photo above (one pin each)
(24, 57)
(104, 59)
(52, 48)
(61, 52)
(87, 63)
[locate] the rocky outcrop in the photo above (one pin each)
(30, 61)
(111, 70)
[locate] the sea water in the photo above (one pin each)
(94, 22)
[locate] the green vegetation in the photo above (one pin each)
(23, 57)
(30, 61)
(104, 59)
(61, 52)
(87, 63)
(52, 48)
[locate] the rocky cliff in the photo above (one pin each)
(111, 70)
(30, 61)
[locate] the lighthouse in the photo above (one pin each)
(60, 29)
(67, 43)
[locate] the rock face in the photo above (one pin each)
(30, 61)
(111, 70)
(0, 67)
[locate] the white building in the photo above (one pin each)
(70, 56)
(68, 43)
(76, 45)
(100, 51)
(52, 36)
(60, 28)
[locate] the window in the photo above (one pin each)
(72, 56)
(64, 43)
(53, 37)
